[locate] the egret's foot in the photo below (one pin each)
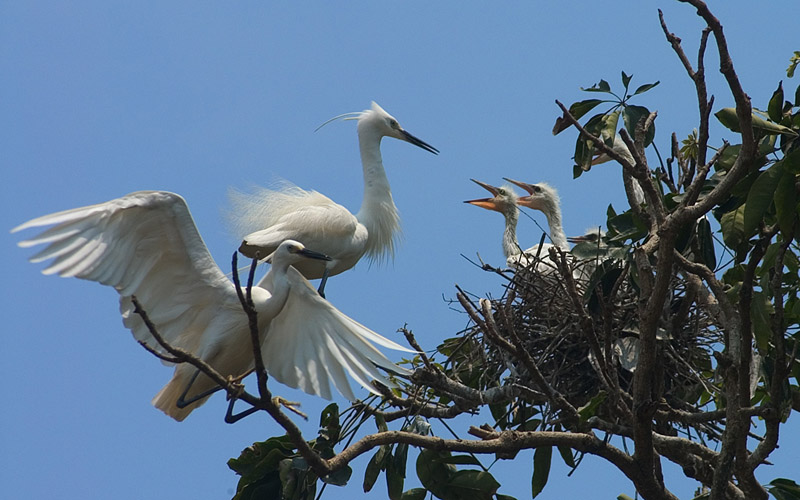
(289, 405)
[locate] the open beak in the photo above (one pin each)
(524, 185)
(419, 142)
(313, 255)
(487, 203)
(525, 201)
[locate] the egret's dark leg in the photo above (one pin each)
(321, 290)
(183, 403)
(230, 418)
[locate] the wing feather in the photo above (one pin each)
(144, 244)
(310, 335)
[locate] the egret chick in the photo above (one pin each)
(544, 198)
(146, 245)
(274, 215)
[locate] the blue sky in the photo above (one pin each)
(99, 99)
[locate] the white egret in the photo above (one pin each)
(271, 216)
(544, 198)
(621, 149)
(503, 200)
(593, 237)
(146, 245)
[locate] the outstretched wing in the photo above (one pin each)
(144, 244)
(311, 344)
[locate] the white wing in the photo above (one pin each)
(311, 344)
(144, 244)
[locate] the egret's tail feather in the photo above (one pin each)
(167, 398)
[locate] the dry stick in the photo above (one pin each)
(698, 77)
(744, 162)
(587, 326)
(782, 367)
(252, 318)
(694, 189)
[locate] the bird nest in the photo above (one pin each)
(577, 320)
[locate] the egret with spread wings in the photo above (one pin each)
(146, 245)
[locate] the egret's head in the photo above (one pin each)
(376, 121)
(293, 251)
(541, 196)
(592, 235)
(503, 200)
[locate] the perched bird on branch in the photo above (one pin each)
(274, 215)
(621, 149)
(146, 245)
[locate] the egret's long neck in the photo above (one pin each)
(510, 243)
(553, 214)
(278, 284)
(378, 212)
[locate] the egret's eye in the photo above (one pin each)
(537, 189)
(393, 123)
(501, 192)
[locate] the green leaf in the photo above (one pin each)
(775, 107)
(644, 88)
(784, 489)
(541, 469)
(705, 241)
(601, 86)
(394, 482)
(793, 61)
(340, 477)
(631, 116)
(727, 117)
(433, 473)
(261, 458)
(376, 464)
(577, 110)
(791, 162)
(473, 485)
(414, 494)
(609, 127)
(589, 409)
(728, 157)
(567, 456)
(460, 460)
(760, 197)
(786, 202)
(626, 80)
(760, 309)
(732, 225)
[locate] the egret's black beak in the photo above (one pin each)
(418, 142)
(313, 255)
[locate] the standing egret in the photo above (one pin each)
(621, 149)
(146, 245)
(319, 222)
